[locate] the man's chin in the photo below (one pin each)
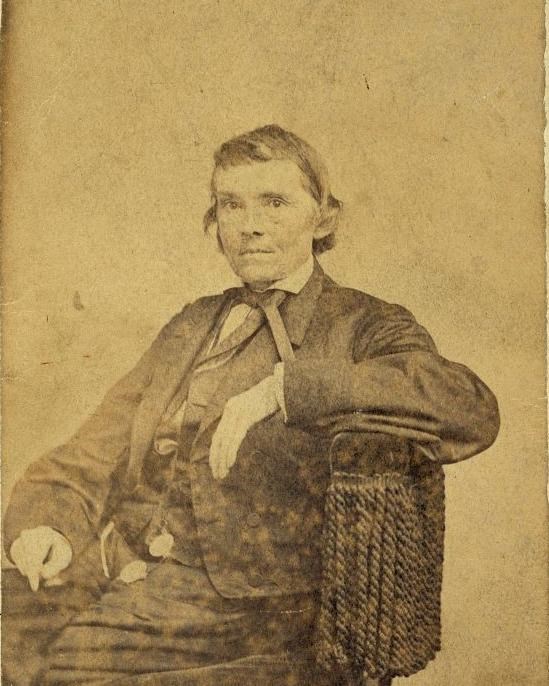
(258, 280)
(258, 274)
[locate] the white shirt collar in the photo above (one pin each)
(295, 282)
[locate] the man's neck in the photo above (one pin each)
(293, 282)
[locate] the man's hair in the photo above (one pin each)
(272, 142)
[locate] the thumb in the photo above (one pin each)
(19, 556)
(33, 575)
(26, 563)
(58, 559)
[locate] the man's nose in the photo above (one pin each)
(251, 224)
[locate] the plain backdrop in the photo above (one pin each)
(430, 118)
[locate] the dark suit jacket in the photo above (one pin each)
(357, 358)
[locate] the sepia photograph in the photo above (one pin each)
(273, 343)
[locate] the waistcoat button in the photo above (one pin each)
(253, 519)
(255, 580)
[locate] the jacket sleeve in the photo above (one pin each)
(395, 383)
(68, 487)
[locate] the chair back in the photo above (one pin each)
(382, 559)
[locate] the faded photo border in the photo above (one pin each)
(431, 120)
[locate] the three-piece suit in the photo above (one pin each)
(254, 538)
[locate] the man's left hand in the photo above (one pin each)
(240, 414)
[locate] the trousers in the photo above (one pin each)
(171, 628)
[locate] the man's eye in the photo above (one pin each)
(230, 204)
(275, 202)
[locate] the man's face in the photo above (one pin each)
(266, 218)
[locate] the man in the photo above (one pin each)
(189, 507)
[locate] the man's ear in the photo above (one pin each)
(327, 218)
(321, 227)
(324, 225)
(321, 230)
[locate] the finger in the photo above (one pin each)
(221, 457)
(18, 555)
(223, 450)
(232, 452)
(25, 563)
(217, 448)
(230, 449)
(227, 458)
(58, 560)
(57, 580)
(36, 543)
(33, 575)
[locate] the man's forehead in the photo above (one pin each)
(259, 177)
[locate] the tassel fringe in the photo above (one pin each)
(383, 555)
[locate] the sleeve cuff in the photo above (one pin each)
(40, 505)
(316, 388)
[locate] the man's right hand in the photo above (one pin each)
(41, 553)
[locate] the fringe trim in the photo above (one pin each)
(382, 573)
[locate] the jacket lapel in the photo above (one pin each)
(252, 323)
(298, 309)
(260, 355)
(242, 372)
(178, 355)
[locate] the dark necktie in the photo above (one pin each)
(268, 301)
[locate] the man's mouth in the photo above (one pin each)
(255, 251)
